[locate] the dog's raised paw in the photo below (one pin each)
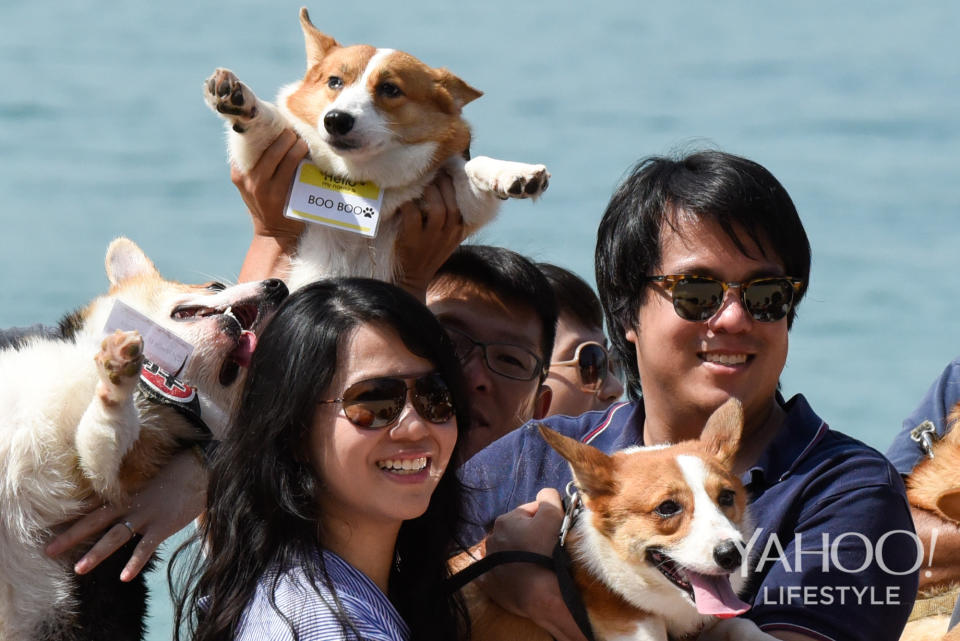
(508, 179)
(229, 97)
(118, 364)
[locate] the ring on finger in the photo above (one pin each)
(129, 526)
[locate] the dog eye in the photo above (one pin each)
(726, 498)
(216, 287)
(389, 90)
(335, 82)
(667, 509)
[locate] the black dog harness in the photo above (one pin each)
(559, 562)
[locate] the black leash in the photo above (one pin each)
(569, 592)
(490, 561)
(559, 562)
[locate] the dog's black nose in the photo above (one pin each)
(275, 289)
(727, 555)
(338, 123)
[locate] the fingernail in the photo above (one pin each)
(81, 567)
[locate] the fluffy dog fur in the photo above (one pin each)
(376, 115)
(73, 432)
(649, 512)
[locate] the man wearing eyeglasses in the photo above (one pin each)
(701, 263)
(500, 313)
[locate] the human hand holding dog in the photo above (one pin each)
(164, 506)
(264, 190)
(528, 590)
(431, 228)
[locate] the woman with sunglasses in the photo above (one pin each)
(582, 375)
(701, 263)
(332, 506)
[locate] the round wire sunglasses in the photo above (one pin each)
(593, 364)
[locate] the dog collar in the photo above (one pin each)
(161, 387)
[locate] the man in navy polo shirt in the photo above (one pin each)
(701, 263)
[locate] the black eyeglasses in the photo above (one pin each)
(697, 298)
(593, 364)
(505, 359)
(378, 402)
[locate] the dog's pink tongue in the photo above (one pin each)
(245, 346)
(713, 595)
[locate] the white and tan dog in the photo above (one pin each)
(73, 430)
(658, 549)
(377, 115)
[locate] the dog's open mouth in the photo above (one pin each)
(711, 593)
(669, 569)
(245, 317)
(245, 314)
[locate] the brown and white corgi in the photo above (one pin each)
(370, 114)
(658, 550)
(74, 430)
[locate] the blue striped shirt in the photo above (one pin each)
(311, 611)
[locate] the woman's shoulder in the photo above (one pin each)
(354, 607)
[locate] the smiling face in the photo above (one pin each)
(688, 369)
(220, 323)
(377, 478)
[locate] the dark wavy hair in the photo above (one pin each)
(262, 514)
(736, 193)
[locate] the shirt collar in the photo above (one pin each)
(799, 434)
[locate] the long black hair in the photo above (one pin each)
(262, 513)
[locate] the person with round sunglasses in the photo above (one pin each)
(701, 264)
(332, 504)
(583, 377)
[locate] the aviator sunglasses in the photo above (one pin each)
(593, 363)
(697, 298)
(378, 402)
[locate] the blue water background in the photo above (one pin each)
(852, 105)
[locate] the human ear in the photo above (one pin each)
(541, 403)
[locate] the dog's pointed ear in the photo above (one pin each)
(948, 504)
(317, 43)
(125, 260)
(721, 435)
(461, 92)
(592, 469)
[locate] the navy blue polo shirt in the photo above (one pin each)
(935, 407)
(835, 556)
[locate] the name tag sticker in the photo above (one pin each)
(324, 199)
(160, 345)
